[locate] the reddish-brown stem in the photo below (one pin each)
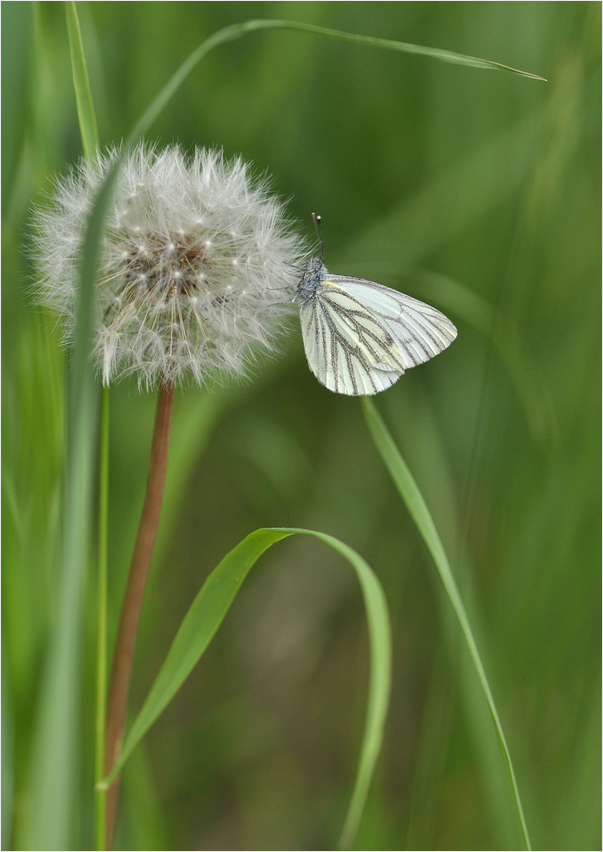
(128, 626)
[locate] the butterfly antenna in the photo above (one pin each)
(318, 225)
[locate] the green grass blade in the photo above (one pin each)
(54, 754)
(419, 512)
(90, 142)
(402, 47)
(81, 83)
(55, 744)
(101, 647)
(379, 687)
(237, 31)
(207, 613)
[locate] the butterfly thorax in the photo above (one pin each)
(314, 273)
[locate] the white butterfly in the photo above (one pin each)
(360, 336)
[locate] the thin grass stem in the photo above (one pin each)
(128, 627)
(101, 650)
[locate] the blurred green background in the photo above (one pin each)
(476, 191)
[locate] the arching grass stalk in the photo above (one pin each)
(123, 656)
(204, 618)
(419, 512)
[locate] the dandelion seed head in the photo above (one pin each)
(198, 266)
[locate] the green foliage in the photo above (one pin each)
(205, 616)
(486, 180)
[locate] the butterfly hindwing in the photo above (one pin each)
(420, 331)
(348, 349)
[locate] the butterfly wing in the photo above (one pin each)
(420, 331)
(360, 337)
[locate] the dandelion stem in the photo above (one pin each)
(128, 625)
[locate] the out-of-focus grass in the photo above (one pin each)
(488, 179)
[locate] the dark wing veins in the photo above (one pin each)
(370, 343)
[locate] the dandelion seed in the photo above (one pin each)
(174, 300)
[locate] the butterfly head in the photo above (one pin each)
(315, 270)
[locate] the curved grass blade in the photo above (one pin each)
(236, 31)
(419, 512)
(207, 613)
(405, 47)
